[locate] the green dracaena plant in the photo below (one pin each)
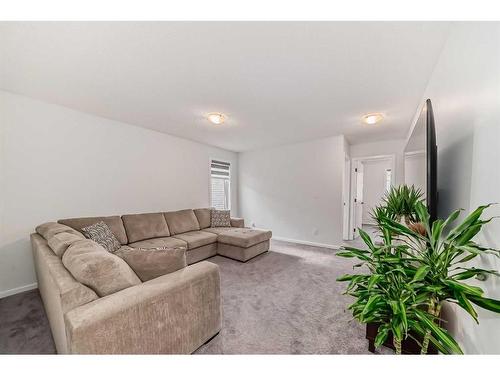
(442, 254)
(391, 295)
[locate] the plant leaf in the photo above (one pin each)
(421, 273)
(383, 332)
(461, 287)
(439, 332)
(486, 303)
(346, 278)
(465, 304)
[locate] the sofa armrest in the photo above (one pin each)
(172, 314)
(237, 222)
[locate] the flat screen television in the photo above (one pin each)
(420, 158)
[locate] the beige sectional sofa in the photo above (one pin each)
(173, 313)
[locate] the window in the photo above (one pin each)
(220, 185)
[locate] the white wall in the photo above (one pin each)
(415, 170)
(56, 162)
(465, 93)
(388, 147)
(296, 190)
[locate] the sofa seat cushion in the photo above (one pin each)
(93, 266)
(217, 230)
(203, 216)
(182, 221)
(159, 242)
(197, 238)
(152, 263)
(244, 237)
(113, 222)
(145, 226)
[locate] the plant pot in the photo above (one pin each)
(408, 346)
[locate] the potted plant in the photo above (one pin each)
(442, 260)
(410, 278)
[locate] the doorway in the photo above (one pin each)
(371, 178)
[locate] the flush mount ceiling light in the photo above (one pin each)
(216, 118)
(372, 118)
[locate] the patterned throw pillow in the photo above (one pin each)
(220, 218)
(100, 233)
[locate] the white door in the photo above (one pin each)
(376, 174)
(358, 198)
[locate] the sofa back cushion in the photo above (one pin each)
(60, 242)
(155, 262)
(95, 267)
(145, 226)
(203, 216)
(182, 221)
(50, 229)
(113, 222)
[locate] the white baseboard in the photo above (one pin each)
(328, 246)
(20, 289)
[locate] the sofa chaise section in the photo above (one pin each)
(243, 244)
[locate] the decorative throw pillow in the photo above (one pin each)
(100, 233)
(151, 263)
(220, 218)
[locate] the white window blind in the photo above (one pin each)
(220, 184)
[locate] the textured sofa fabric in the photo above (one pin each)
(237, 222)
(59, 289)
(197, 238)
(242, 254)
(244, 237)
(60, 242)
(152, 263)
(203, 216)
(95, 267)
(182, 221)
(159, 242)
(48, 230)
(113, 222)
(145, 226)
(172, 314)
(201, 253)
(217, 230)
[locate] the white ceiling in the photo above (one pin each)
(278, 82)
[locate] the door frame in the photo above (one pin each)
(346, 198)
(354, 163)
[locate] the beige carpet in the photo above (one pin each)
(285, 301)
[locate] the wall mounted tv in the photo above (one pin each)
(420, 158)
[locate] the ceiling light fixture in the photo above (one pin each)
(372, 118)
(216, 118)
